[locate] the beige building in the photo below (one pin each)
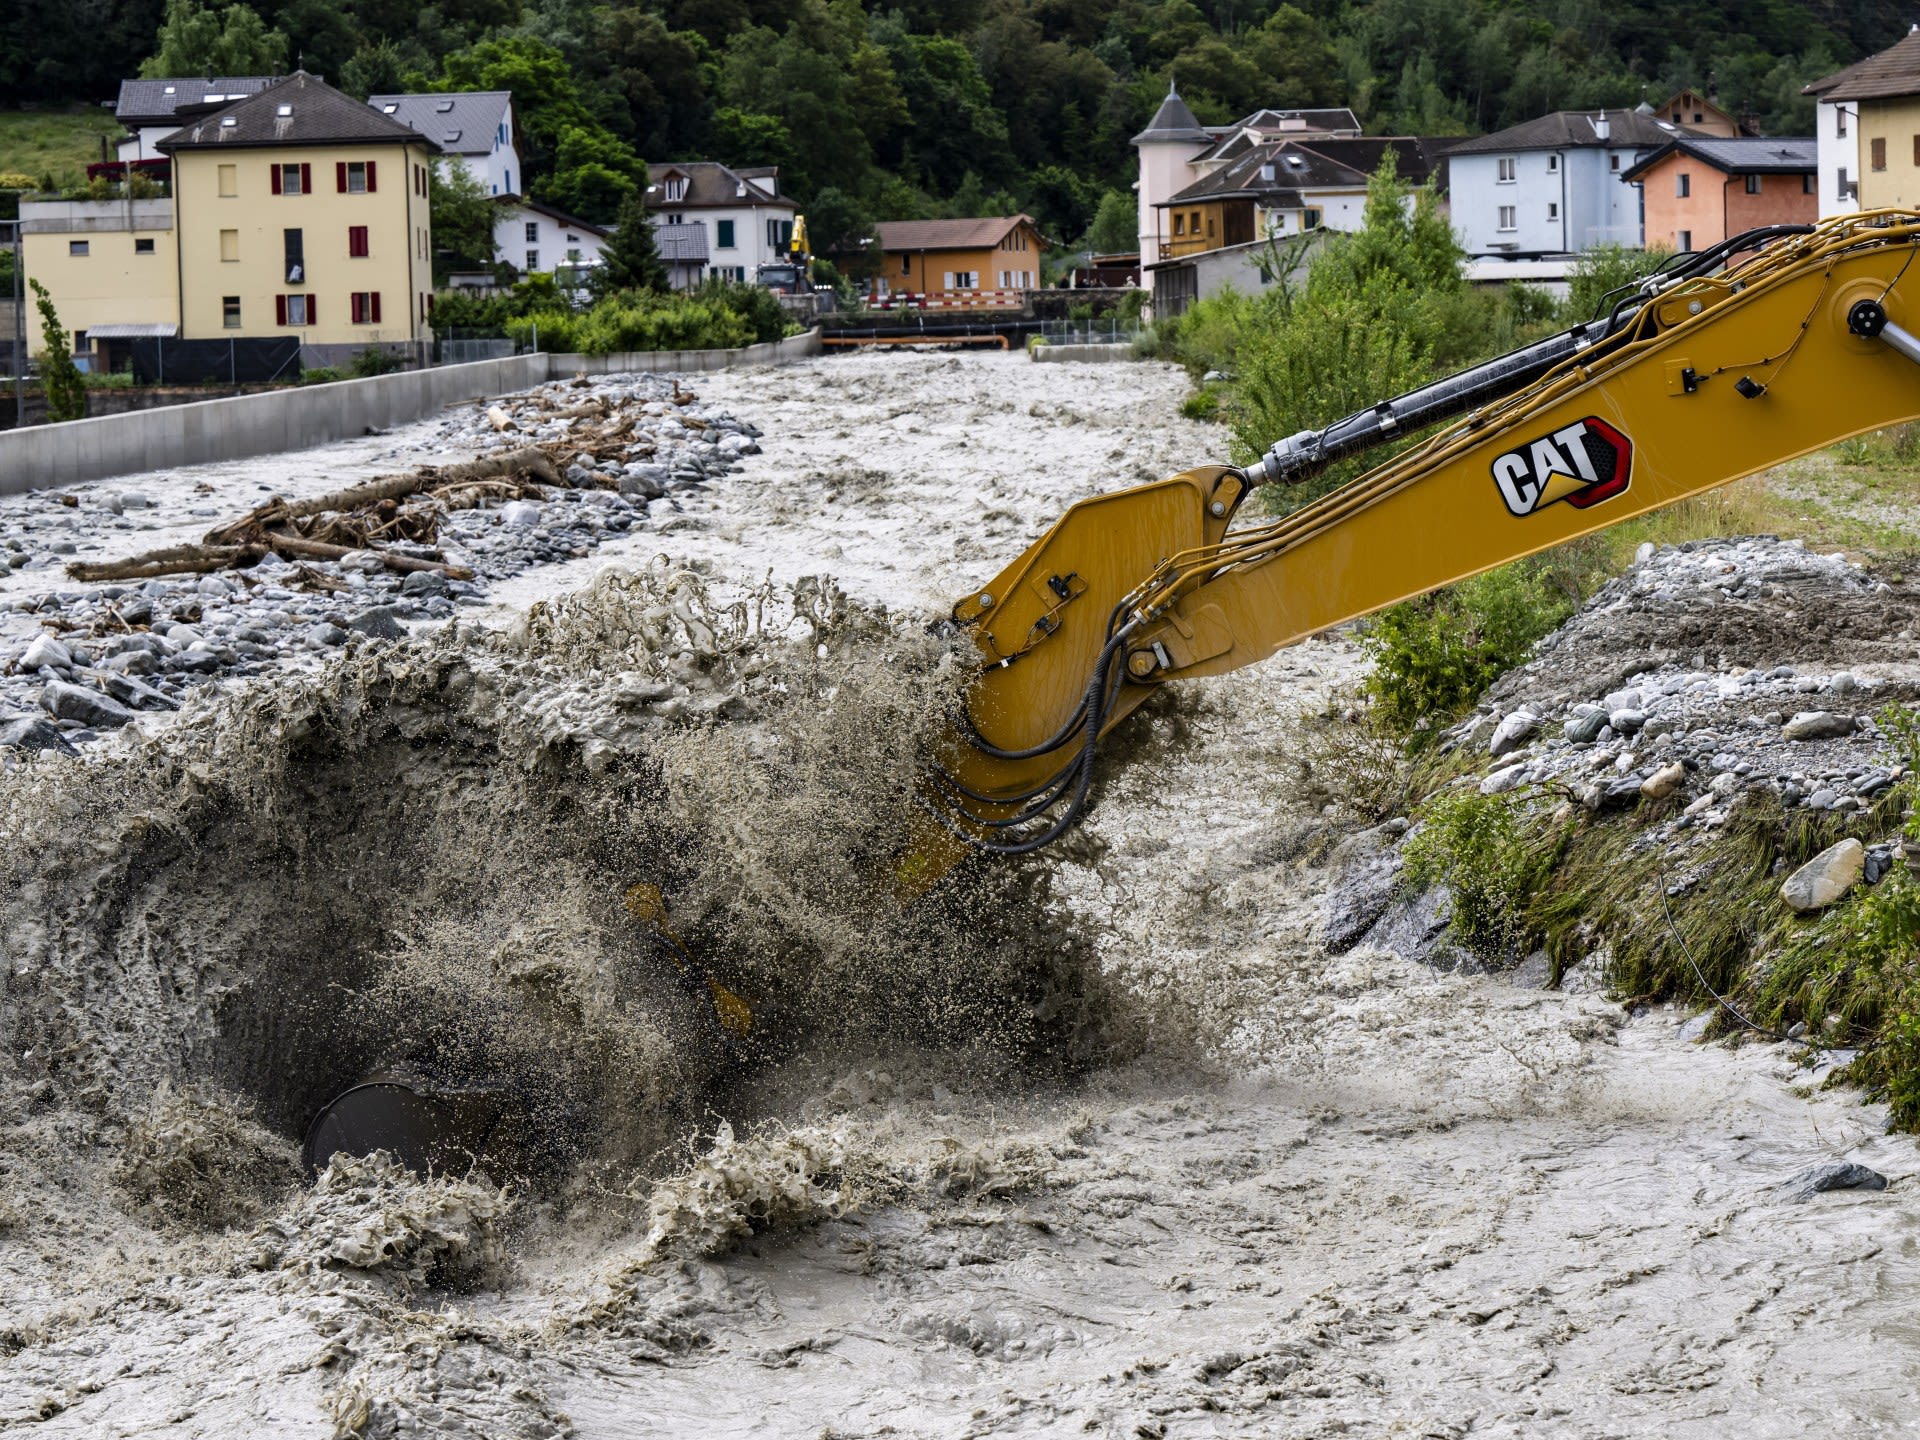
(110, 265)
(1876, 121)
(302, 212)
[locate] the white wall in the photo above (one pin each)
(552, 239)
(750, 248)
(1837, 152)
(1562, 201)
(1166, 169)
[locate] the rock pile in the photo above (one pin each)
(634, 450)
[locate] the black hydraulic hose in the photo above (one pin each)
(1305, 454)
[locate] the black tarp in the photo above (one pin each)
(159, 361)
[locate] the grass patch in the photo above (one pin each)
(60, 143)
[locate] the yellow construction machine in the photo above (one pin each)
(1767, 346)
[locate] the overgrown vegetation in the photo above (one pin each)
(717, 316)
(59, 377)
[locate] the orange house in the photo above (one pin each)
(963, 263)
(1698, 190)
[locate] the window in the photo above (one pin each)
(1179, 222)
(1506, 169)
(229, 245)
(1698, 117)
(1553, 164)
(1193, 222)
(676, 189)
(507, 180)
(78, 247)
(1509, 217)
(1806, 185)
(296, 251)
(230, 311)
(1553, 210)
(1878, 149)
(533, 232)
(1845, 191)
(1916, 150)
(291, 179)
(229, 180)
(355, 177)
(366, 308)
(906, 265)
(779, 232)
(676, 219)
(294, 310)
(1613, 162)
(533, 260)
(1309, 218)
(1682, 185)
(723, 234)
(1683, 241)
(356, 242)
(79, 342)
(573, 239)
(1840, 121)
(963, 280)
(1753, 184)
(143, 247)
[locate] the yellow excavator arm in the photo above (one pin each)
(1711, 371)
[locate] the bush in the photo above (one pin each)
(1201, 405)
(1480, 847)
(1433, 656)
(718, 316)
(375, 360)
(1602, 270)
(319, 375)
(59, 377)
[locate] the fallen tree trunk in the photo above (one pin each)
(174, 560)
(291, 545)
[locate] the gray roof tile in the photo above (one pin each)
(155, 102)
(1572, 130)
(316, 114)
(462, 121)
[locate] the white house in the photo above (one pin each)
(476, 126)
(530, 236)
(747, 221)
(1836, 132)
(1552, 186)
(1176, 151)
(152, 109)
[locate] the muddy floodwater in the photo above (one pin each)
(1103, 1144)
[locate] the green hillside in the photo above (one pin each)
(903, 108)
(62, 144)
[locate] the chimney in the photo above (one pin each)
(1602, 129)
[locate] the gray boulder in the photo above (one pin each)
(1818, 725)
(76, 702)
(1827, 877)
(1832, 1175)
(30, 732)
(1513, 732)
(377, 624)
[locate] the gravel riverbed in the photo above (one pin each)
(1273, 1191)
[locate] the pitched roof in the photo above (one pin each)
(710, 186)
(1749, 155)
(571, 222)
(1574, 129)
(462, 121)
(1173, 121)
(155, 102)
(980, 234)
(301, 109)
(1894, 71)
(681, 244)
(1825, 83)
(1282, 168)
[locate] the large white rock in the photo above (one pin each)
(1826, 877)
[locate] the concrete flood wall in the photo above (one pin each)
(1083, 354)
(41, 456)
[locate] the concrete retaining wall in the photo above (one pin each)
(773, 352)
(41, 456)
(1050, 353)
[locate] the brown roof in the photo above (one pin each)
(712, 186)
(982, 234)
(299, 110)
(1894, 71)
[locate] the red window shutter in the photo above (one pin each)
(275, 171)
(375, 297)
(306, 178)
(340, 177)
(370, 185)
(312, 318)
(280, 309)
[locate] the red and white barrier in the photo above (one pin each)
(950, 300)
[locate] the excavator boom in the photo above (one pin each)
(1704, 375)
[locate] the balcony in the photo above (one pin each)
(94, 217)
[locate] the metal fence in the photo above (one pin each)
(453, 351)
(1098, 330)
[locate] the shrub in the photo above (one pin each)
(375, 360)
(1201, 405)
(59, 376)
(1602, 270)
(1481, 848)
(319, 375)
(1433, 656)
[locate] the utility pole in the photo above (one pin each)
(19, 331)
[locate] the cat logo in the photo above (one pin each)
(1583, 463)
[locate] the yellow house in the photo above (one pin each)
(302, 212)
(109, 265)
(1883, 92)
